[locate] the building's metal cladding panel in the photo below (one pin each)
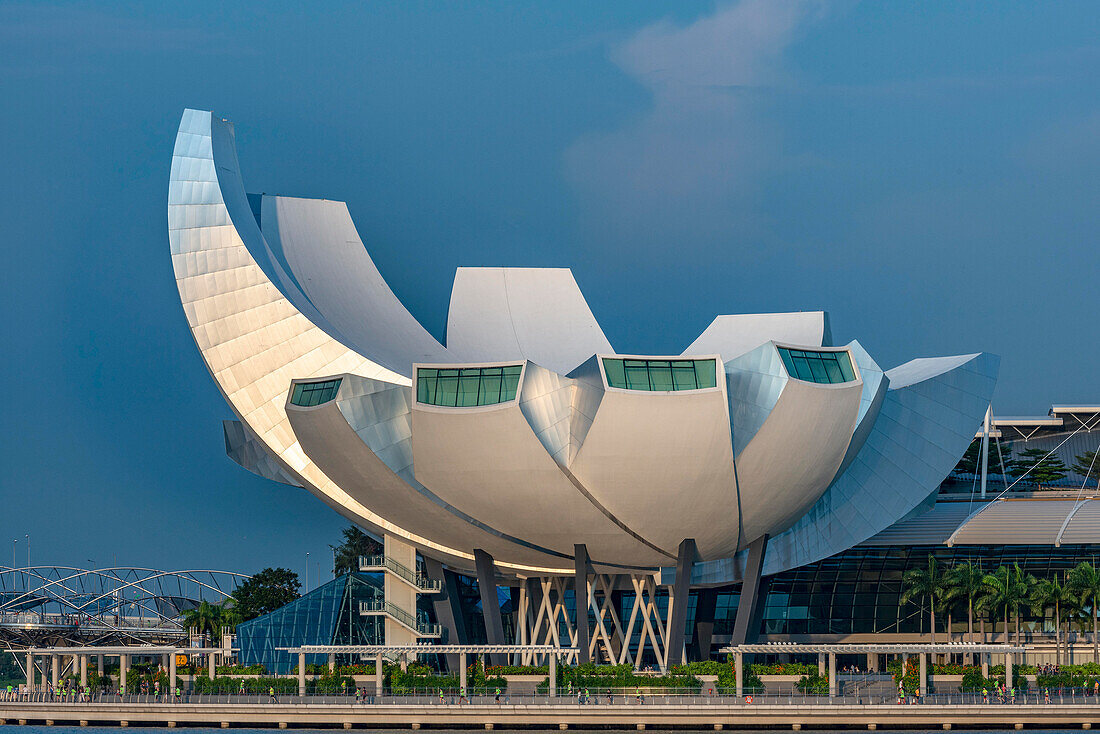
(927, 419)
(789, 462)
(875, 385)
(361, 440)
(754, 382)
(499, 314)
(1018, 521)
(931, 523)
(488, 463)
(661, 461)
(252, 338)
(546, 401)
(249, 453)
(734, 335)
(317, 240)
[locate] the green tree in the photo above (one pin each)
(356, 543)
(205, 618)
(1050, 594)
(265, 592)
(965, 582)
(925, 583)
(1038, 466)
(1084, 581)
(1086, 465)
(1009, 589)
(971, 461)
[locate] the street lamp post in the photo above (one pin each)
(307, 570)
(13, 544)
(28, 537)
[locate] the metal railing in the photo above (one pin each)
(417, 579)
(422, 629)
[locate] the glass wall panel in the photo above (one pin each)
(661, 375)
(308, 394)
(820, 367)
(467, 387)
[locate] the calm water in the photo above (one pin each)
(197, 730)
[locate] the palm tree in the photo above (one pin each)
(965, 582)
(207, 618)
(1010, 589)
(1084, 580)
(925, 583)
(1051, 594)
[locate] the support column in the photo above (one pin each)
(123, 669)
(832, 675)
(462, 673)
(378, 680)
(872, 662)
(553, 675)
(99, 665)
(490, 606)
(301, 674)
(580, 600)
(750, 607)
(212, 662)
(821, 664)
(30, 671)
(985, 448)
(1008, 670)
(922, 679)
(677, 622)
(985, 664)
(739, 672)
(171, 674)
(332, 662)
(83, 671)
(55, 670)
(704, 624)
(447, 609)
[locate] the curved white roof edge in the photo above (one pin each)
(732, 335)
(539, 314)
(252, 338)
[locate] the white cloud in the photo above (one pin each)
(692, 165)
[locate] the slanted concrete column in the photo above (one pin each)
(821, 663)
(553, 675)
(301, 674)
(462, 672)
(55, 670)
(378, 674)
(580, 601)
(212, 662)
(30, 671)
(922, 680)
(171, 674)
(331, 662)
(832, 675)
(681, 590)
(83, 671)
(1008, 670)
(123, 669)
(739, 672)
(490, 606)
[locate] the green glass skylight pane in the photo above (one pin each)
(510, 384)
(817, 369)
(637, 375)
(683, 375)
(468, 384)
(785, 354)
(421, 387)
(615, 375)
(296, 396)
(705, 373)
(833, 369)
(844, 361)
(802, 368)
(447, 388)
(660, 376)
(490, 388)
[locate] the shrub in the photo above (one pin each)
(814, 683)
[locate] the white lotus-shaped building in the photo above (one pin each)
(527, 433)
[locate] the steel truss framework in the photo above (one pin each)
(52, 606)
(543, 619)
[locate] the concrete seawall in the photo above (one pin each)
(560, 716)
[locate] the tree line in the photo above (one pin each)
(1008, 592)
(1035, 463)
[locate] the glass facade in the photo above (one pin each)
(328, 615)
(308, 394)
(467, 387)
(820, 367)
(660, 375)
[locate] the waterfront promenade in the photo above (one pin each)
(624, 712)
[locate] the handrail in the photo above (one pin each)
(418, 580)
(423, 629)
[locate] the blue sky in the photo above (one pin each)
(926, 172)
